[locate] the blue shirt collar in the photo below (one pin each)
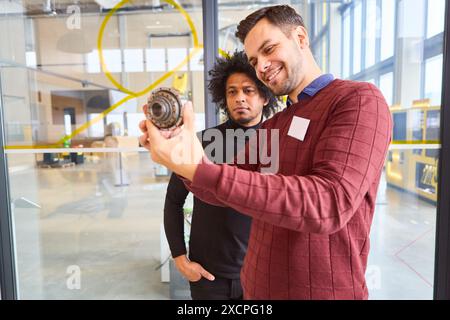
(315, 86)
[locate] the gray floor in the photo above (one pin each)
(401, 261)
(106, 239)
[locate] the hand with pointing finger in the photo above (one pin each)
(191, 270)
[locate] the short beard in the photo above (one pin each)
(292, 81)
(284, 90)
(241, 121)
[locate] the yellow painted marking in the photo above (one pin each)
(131, 94)
(424, 142)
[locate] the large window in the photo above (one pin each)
(367, 26)
(346, 44)
(387, 86)
(388, 19)
(87, 201)
(389, 43)
(357, 36)
(433, 79)
(432, 52)
(397, 46)
(133, 60)
(155, 59)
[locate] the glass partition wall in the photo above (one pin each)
(86, 201)
(398, 46)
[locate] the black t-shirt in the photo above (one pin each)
(219, 235)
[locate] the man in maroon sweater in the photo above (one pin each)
(311, 220)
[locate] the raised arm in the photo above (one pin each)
(206, 195)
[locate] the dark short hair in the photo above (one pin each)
(282, 16)
(224, 68)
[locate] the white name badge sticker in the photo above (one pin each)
(298, 128)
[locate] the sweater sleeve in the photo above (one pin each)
(207, 195)
(347, 160)
(174, 215)
(203, 194)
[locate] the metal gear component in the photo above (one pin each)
(164, 108)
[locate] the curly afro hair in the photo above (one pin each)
(224, 68)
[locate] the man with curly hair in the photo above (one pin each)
(219, 235)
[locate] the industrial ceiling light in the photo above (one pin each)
(49, 8)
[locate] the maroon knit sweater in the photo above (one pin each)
(311, 221)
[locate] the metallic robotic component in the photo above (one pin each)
(164, 108)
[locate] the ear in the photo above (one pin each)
(302, 37)
(266, 102)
